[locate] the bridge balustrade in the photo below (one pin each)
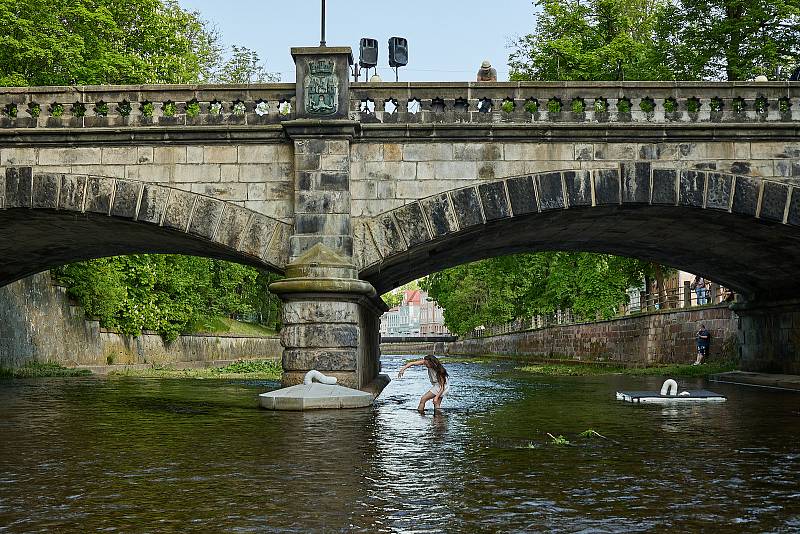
(148, 105)
(611, 102)
(406, 103)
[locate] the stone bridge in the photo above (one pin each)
(353, 189)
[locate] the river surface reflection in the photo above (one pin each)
(137, 455)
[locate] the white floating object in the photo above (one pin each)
(655, 397)
(669, 387)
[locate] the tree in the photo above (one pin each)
(498, 290)
(61, 42)
(594, 40)
(169, 294)
(659, 40)
(244, 66)
(740, 39)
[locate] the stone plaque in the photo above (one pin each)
(321, 88)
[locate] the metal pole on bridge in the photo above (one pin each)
(322, 32)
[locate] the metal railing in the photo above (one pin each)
(669, 299)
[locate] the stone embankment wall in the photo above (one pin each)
(423, 347)
(37, 322)
(660, 337)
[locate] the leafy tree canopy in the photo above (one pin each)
(65, 42)
(498, 290)
(86, 42)
(169, 294)
(659, 40)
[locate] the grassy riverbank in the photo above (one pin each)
(243, 369)
(225, 325)
(42, 370)
(568, 369)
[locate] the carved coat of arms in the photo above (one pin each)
(321, 88)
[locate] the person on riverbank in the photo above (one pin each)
(703, 341)
(437, 374)
(699, 286)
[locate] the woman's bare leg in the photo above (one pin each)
(424, 400)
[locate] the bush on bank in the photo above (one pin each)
(168, 294)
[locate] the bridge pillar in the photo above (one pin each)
(331, 321)
(769, 336)
(330, 317)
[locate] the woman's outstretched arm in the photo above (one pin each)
(409, 364)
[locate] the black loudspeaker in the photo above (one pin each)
(398, 52)
(368, 53)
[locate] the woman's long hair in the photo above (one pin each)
(438, 368)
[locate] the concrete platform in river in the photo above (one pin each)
(314, 396)
(764, 380)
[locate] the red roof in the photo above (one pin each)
(412, 296)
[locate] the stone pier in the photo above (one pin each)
(330, 317)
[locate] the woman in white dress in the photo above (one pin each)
(437, 374)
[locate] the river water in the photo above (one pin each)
(140, 455)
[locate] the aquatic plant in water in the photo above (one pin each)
(558, 440)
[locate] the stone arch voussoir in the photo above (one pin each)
(393, 234)
(237, 231)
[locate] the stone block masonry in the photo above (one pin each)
(654, 338)
(255, 176)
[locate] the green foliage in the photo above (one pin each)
(738, 39)
(104, 41)
(673, 370)
(168, 108)
(124, 108)
(78, 109)
(252, 366)
(56, 110)
(166, 294)
(35, 369)
(532, 106)
(147, 109)
(558, 440)
(593, 40)
(192, 108)
(245, 369)
(395, 296)
(508, 106)
(498, 290)
(659, 40)
(244, 66)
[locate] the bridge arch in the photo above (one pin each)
(49, 219)
(741, 231)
